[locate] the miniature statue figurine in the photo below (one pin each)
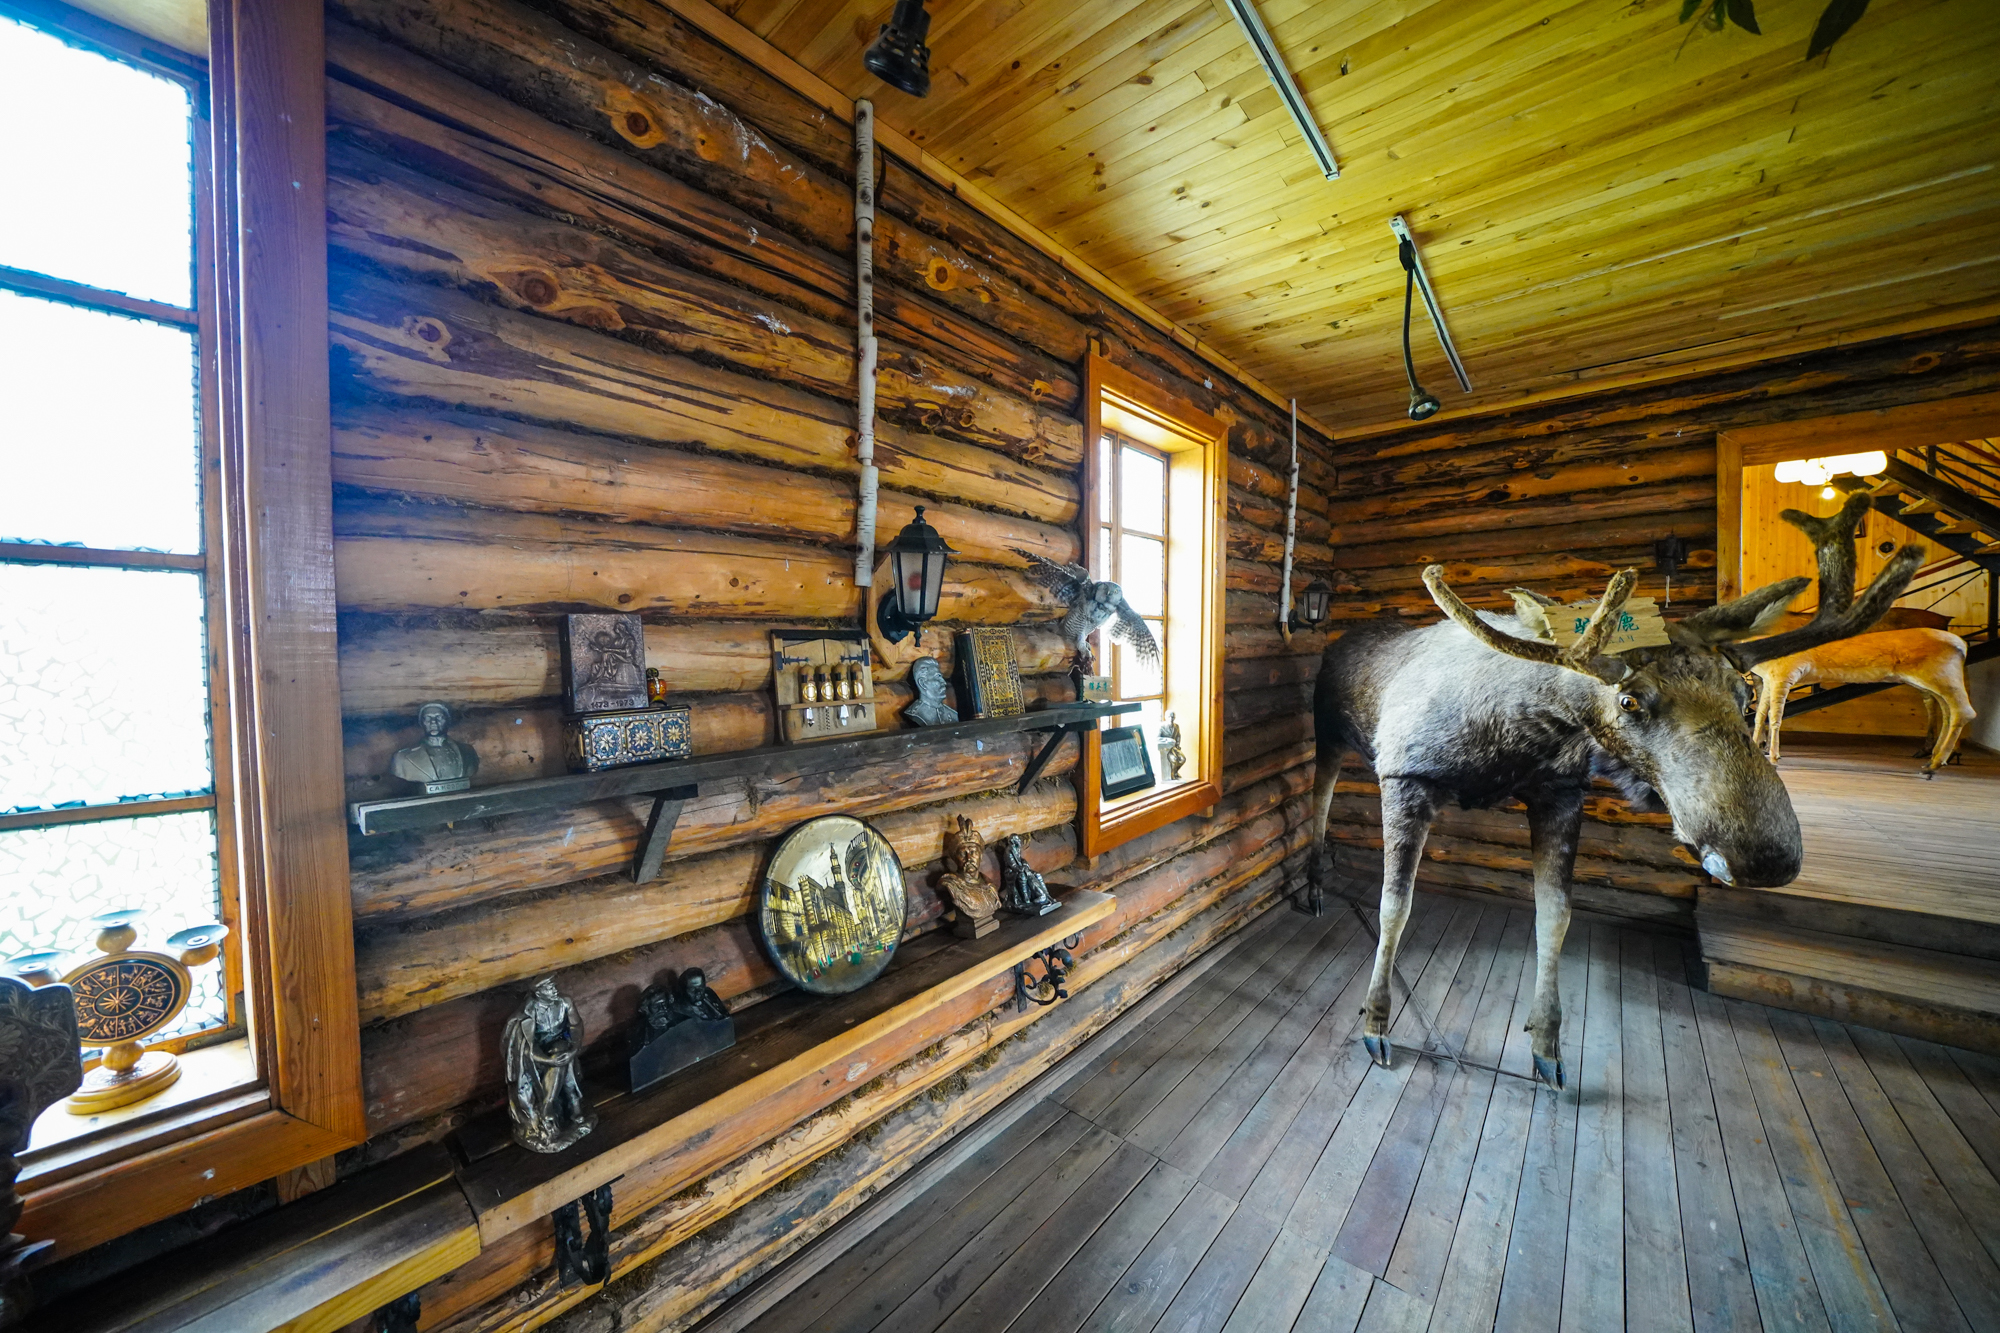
(656, 689)
(929, 709)
(439, 764)
(1025, 892)
(677, 1026)
(544, 1099)
(972, 895)
(1172, 757)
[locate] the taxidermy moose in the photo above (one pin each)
(1469, 709)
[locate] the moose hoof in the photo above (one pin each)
(1379, 1050)
(1549, 1072)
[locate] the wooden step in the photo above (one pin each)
(1929, 993)
(1941, 922)
(1878, 487)
(1915, 507)
(1958, 527)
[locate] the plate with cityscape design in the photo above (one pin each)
(831, 906)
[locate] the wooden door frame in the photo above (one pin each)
(1976, 416)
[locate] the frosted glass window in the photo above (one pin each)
(1144, 501)
(103, 686)
(1136, 680)
(1104, 471)
(1143, 574)
(57, 878)
(99, 169)
(99, 445)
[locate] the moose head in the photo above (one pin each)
(1675, 721)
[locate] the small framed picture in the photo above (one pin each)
(1125, 766)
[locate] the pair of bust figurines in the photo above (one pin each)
(973, 896)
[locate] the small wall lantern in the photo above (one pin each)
(916, 570)
(1315, 600)
(898, 55)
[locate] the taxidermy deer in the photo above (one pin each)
(1471, 710)
(1929, 659)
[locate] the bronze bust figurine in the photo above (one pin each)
(544, 1099)
(929, 708)
(973, 895)
(439, 763)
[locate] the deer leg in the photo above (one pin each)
(1555, 821)
(1408, 807)
(1955, 709)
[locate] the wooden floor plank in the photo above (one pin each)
(1593, 1296)
(1788, 1299)
(959, 1204)
(1971, 1182)
(925, 1305)
(1282, 1174)
(1848, 1285)
(1280, 1287)
(1208, 1297)
(1329, 1191)
(1982, 1071)
(1531, 1286)
(1081, 1283)
(1205, 1133)
(1721, 1296)
(1256, 1142)
(1039, 1255)
(1339, 1295)
(1975, 1118)
(1116, 1074)
(1468, 1289)
(1656, 1266)
(1917, 1290)
(1966, 1266)
(1391, 1310)
(1144, 1290)
(1220, 1067)
(1169, 1067)
(1438, 1199)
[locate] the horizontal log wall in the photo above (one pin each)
(1558, 499)
(593, 344)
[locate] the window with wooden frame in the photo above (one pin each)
(171, 723)
(1155, 493)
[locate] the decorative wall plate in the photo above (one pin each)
(831, 907)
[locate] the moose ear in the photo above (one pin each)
(1747, 616)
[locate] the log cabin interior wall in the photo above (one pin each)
(593, 349)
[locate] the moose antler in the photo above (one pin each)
(1579, 656)
(1841, 614)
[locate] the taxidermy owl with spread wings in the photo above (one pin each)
(1090, 605)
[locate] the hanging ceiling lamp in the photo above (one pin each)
(898, 55)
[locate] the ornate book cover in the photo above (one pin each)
(989, 678)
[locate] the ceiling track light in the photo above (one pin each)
(1413, 265)
(898, 55)
(1281, 79)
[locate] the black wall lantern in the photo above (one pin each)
(898, 55)
(1314, 602)
(916, 574)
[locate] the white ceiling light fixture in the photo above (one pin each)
(1281, 79)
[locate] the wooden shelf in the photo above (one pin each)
(676, 781)
(794, 1055)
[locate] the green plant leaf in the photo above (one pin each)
(1744, 16)
(1718, 14)
(1687, 9)
(1840, 15)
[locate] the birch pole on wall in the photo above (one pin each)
(864, 337)
(1291, 531)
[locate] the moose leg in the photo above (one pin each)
(1408, 806)
(1555, 820)
(1319, 871)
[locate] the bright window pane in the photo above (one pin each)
(1106, 479)
(98, 169)
(99, 445)
(1143, 574)
(1144, 502)
(103, 686)
(1135, 680)
(59, 877)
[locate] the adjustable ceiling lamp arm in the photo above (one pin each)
(1413, 266)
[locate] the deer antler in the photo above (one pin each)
(1841, 614)
(1579, 656)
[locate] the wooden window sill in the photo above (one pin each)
(209, 1075)
(1123, 820)
(801, 1053)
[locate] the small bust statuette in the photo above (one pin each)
(972, 895)
(544, 1099)
(1025, 892)
(929, 708)
(1172, 757)
(439, 763)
